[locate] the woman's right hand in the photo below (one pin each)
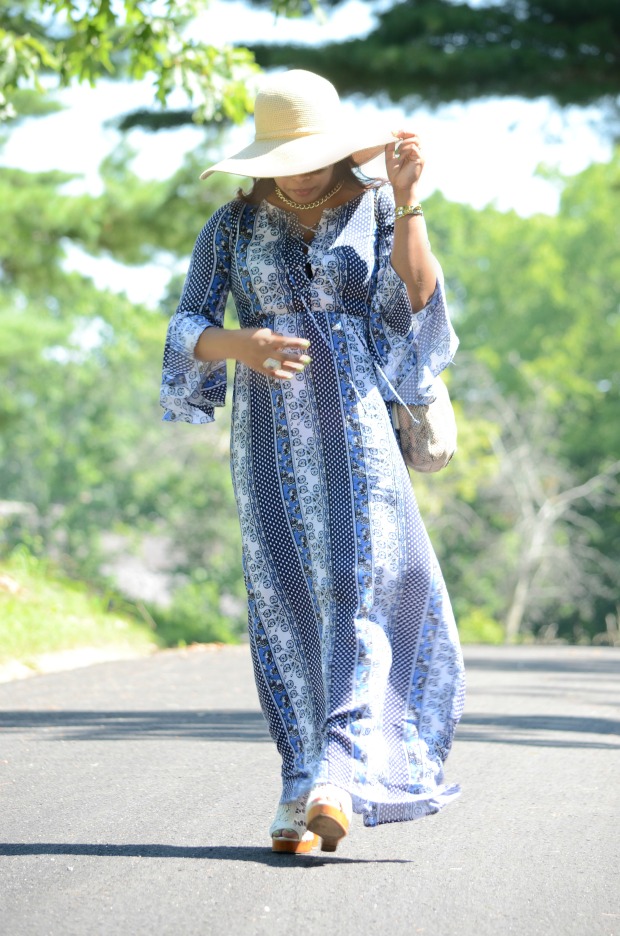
(254, 346)
(257, 345)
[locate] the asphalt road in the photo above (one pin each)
(135, 798)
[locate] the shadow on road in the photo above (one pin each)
(533, 730)
(110, 726)
(213, 852)
(559, 663)
(250, 726)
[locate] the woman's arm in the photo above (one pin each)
(411, 253)
(252, 346)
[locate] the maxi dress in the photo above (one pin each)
(354, 645)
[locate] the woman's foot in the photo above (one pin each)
(328, 814)
(288, 830)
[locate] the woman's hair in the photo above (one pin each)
(345, 170)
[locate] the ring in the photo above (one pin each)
(271, 364)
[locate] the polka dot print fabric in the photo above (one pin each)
(354, 645)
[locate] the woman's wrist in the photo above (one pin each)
(216, 344)
(408, 211)
(408, 196)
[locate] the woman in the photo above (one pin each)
(355, 649)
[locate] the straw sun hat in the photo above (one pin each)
(300, 127)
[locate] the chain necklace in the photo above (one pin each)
(314, 204)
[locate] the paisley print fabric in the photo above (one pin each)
(355, 649)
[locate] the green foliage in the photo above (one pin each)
(438, 50)
(30, 103)
(135, 38)
(539, 302)
(445, 51)
(537, 312)
(475, 626)
(82, 447)
(137, 219)
(196, 615)
(41, 611)
(536, 388)
(133, 220)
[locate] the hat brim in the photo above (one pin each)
(268, 159)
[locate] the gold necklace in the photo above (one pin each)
(314, 204)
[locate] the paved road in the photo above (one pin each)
(135, 799)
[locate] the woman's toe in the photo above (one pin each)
(286, 833)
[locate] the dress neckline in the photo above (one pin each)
(327, 212)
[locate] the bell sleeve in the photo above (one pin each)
(190, 389)
(410, 348)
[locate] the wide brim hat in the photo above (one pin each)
(300, 127)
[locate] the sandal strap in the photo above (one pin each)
(290, 817)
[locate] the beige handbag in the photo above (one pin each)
(427, 433)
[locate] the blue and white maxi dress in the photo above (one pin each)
(355, 649)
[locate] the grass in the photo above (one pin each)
(42, 612)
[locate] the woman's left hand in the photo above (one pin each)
(404, 161)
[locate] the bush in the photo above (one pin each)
(196, 616)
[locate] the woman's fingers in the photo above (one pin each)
(288, 364)
(407, 146)
(297, 363)
(408, 149)
(404, 160)
(282, 373)
(404, 135)
(277, 355)
(291, 360)
(289, 341)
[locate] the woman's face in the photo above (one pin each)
(307, 187)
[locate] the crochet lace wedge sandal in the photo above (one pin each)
(328, 814)
(291, 818)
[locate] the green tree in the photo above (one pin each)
(538, 299)
(536, 303)
(132, 39)
(446, 51)
(522, 541)
(82, 448)
(438, 50)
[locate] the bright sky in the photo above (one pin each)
(485, 152)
